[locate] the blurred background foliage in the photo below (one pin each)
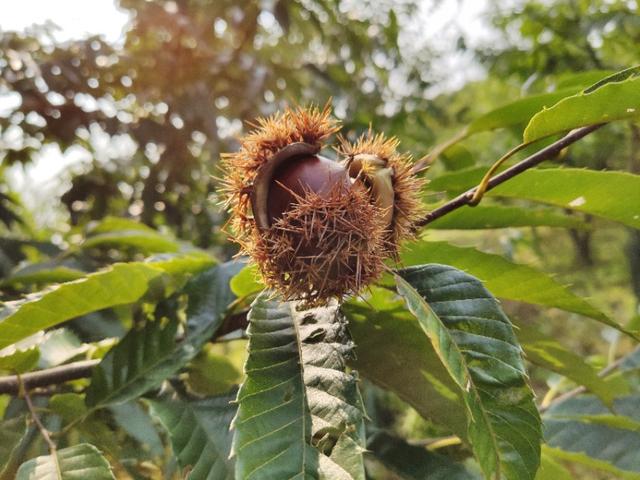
(153, 112)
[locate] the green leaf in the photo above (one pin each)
(381, 323)
(299, 411)
(138, 363)
(146, 357)
(199, 433)
(409, 462)
(495, 216)
(621, 76)
(246, 282)
(607, 194)
(209, 296)
(548, 353)
(20, 361)
(550, 469)
(42, 273)
(142, 241)
(81, 461)
(582, 79)
(610, 195)
(12, 433)
(59, 346)
(134, 420)
(475, 342)
(213, 373)
(122, 232)
(182, 265)
(115, 224)
(120, 284)
(91, 428)
(583, 425)
(517, 112)
(116, 285)
(457, 157)
(613, 98)
(504, 278)
(590, 462)
(459, 181)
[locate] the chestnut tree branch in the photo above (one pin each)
(50, 376)
(467, 198)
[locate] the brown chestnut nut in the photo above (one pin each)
(296, 178)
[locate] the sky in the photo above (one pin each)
(48, 175)
(75, 18)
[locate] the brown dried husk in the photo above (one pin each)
(408, 207)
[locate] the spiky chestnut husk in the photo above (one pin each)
(327, 245)
(374, 159)
(315, 239)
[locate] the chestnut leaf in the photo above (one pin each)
(299, 410)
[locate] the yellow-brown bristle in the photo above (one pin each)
(408, 208)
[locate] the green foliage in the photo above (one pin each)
(12, 433)
(79, 461)
(199, 433)
(475, 342)
(213, 373)
(551, 469)
(59, 346)
(580, 190)
(548, 353)
(117, 285)
(139, 362)
(148, 355)
(498, 216)
(42, 274)
(246, 283)
(410, 462)
(136, 421)
(614, 98)
(381, 323)
(20, 361)
(610, 195)
(299, 411)
(123, 233)
(504, 278)
(120, 284)
(579, 428)
(518, 112)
